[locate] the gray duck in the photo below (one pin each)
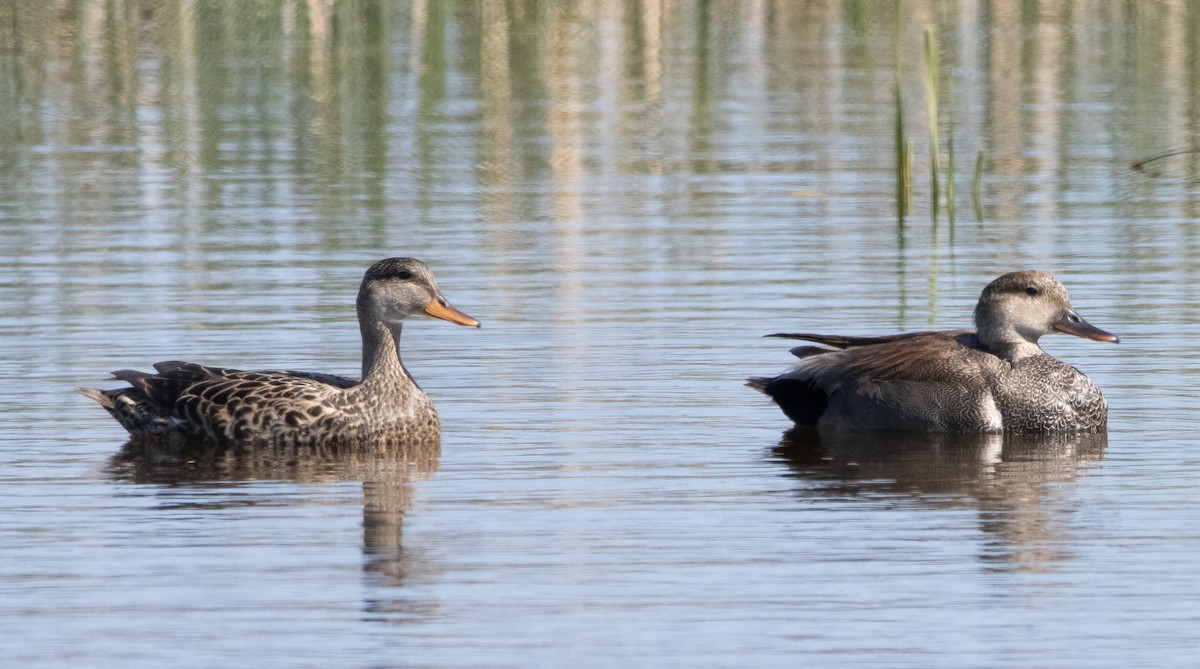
(995, 378)
(186, 403)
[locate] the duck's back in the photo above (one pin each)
(928, 382)
(932, 382)
(192, 403)
(922, 382)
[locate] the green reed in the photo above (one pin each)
(931, 100)
(903, 146)
(975, 179)
(939, 188)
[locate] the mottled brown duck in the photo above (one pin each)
(186, 403)
(995, 378)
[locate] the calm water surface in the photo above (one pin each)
(627, 195)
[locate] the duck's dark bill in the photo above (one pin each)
(1075, 325)
(440, 308)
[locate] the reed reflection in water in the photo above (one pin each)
(628, 193)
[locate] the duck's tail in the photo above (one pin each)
(97, 395)
(802, 400)
(758, 383)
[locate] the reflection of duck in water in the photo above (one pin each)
(1006, 479)
(386, 487)
(934, 464)
(993, 379)
(186, 403)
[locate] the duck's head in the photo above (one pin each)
(396, 288)
(1020, 307)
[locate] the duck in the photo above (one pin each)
(993, 379)
(185, 403)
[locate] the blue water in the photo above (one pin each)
(627, 201)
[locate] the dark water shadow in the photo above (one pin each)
(386, 474)
(1006, 478)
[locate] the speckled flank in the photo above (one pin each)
(991, 380)
(189, 404)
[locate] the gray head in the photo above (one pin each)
(396, 288)
(1020, 307)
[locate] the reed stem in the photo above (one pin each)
(931, 98)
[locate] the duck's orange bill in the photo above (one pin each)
(440, 308)
(1073, 324)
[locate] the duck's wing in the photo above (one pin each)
(190, 372)
(912, 355)
(917, 381)
(845, 341)
(926, 357)
(331, 379)
(219, 402)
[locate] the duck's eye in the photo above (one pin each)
(404, 275)
(1032, 291)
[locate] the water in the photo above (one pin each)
(627, 195)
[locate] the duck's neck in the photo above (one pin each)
(381, 354)
(1003, 337)
(1012, 351)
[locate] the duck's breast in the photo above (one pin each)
(1044, 394)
